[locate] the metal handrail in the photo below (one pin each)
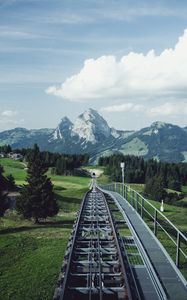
(116, 187)
(158, 212)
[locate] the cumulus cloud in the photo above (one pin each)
(135, 75)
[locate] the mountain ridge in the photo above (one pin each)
(90, 133)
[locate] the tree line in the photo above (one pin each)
(37, 199)
(157, 175)
(60, 164)
(7, 183)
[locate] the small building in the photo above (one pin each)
(15, 156)
(11, 198)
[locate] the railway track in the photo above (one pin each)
(95, 267)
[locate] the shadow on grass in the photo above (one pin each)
(68, 200)
(41, 225)
(59, 188)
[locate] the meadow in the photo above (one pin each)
(31, 255)
(176, 214)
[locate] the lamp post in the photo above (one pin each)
(122, 165)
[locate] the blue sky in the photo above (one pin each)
(60, 57)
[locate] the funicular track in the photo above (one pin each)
(94, 265)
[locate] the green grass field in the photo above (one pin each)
(177, 215)
(16, 168)
(31, 255)
(30, 261)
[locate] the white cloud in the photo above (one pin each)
(11, 121)
(9, 117)
(169, 109)
(135, 76)
(99, 12)
(166, 109)
(126, 107)
(9, 113)
(17, 33)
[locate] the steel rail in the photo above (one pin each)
(60, 295)
(95, 237)
(118, 247)
(150, 268)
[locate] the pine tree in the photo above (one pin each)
(3, 200)
(154, 188)
(10, 182)
(3, 203)
(37, 198)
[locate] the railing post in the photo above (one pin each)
(132, 193)
(136, 202)
(142, 207)
(115, 186)
(155, 222)
(127, 193)
(178, 250)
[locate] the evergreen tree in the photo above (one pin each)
(154, 188)
(10, 182)
(3, 200)
(5, 149)
(3, 203)
(37, 197)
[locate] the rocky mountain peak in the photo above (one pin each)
(89, 115)
(91, 134)
(158, 124)
(91, 126)
(63, 128)
(65, 123)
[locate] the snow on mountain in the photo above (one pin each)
(115, 133)
(62, 129)
(158, 125)
(91, 126)
(91, 134)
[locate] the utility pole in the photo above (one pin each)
(122, 165)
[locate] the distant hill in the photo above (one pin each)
(91, 134)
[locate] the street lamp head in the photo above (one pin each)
(122, 165)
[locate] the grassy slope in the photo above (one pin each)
(30, 261)
(31, 255)
(176, 214)
(15, 168)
